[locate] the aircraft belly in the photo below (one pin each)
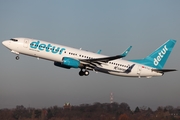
(148, 73)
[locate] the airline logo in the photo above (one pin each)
(47, 47)
(160, 56)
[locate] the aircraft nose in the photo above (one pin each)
(5, 43)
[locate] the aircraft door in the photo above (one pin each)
(26, 41)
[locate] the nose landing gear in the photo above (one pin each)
(17, 53)
(17, 57)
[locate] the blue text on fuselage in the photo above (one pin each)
(46, 47)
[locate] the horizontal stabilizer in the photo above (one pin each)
(164, 70)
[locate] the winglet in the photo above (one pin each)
(99, 51)
(124, 54)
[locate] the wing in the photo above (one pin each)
(106, 59)
(94, 63)
(91, 64)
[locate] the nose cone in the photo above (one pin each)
(5, 43)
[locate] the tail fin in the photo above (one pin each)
(158, 58)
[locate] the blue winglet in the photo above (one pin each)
(124, 54)
(99, 51)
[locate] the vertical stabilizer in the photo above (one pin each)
(158, 58)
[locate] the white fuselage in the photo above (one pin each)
(56, 53)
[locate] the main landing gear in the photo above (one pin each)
(81, 73)
(17, 57)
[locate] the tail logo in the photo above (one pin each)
(160, 55)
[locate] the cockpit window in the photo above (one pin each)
(14, 40)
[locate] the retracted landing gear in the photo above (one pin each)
(86, 73)
(17, 57)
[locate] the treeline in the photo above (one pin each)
(97, 111)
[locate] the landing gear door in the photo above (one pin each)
(26, 41)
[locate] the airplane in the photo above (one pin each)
(68, 57)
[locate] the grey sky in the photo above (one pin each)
(92, 25)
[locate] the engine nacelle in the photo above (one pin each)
(59, 64)
(70, 62)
